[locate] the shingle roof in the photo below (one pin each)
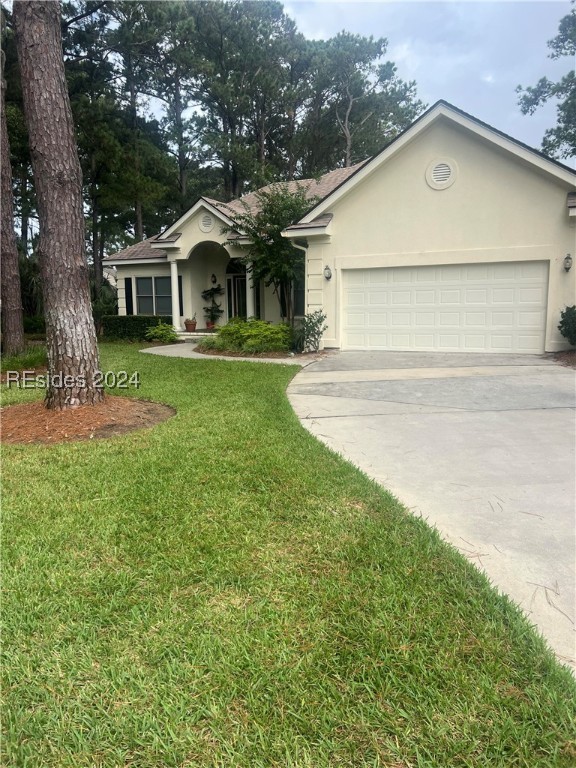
(319, 188)
(320, 221)
(138, 251)
(315, 188)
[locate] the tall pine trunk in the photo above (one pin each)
(70, 334)
(12, 316)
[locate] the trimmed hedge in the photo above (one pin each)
(131, 327)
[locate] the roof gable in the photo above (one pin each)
(442, 110)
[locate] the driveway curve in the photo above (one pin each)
(482, 446)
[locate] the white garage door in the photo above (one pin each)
(458, 308)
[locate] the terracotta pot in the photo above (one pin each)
(190, 327)
(209, 324)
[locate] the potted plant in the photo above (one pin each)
(190, 323)
(212, 311)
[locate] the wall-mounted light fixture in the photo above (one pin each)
(567, 262)
(327, 272)
(213, 279)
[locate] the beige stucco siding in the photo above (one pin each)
(500, 208)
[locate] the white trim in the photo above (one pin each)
(305, 233)
(441, 111)
(201, 203)
(130, 262)
(175, 295)
(162, 246)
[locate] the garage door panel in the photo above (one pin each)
(355, 299)
(474, 307)
(448, 319)
(503, 296)
(425, 297)
(502, 319)
(356, 320)
(450, 274)
(475, 319)
(378, 298)
(476, 296)
(477, 272)
(401, 297)
(530, 295)
(453, 296)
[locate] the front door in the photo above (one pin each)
(236, 295)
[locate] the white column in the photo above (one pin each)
(250, 305)
(175, 301)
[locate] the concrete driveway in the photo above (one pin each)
(481, 446)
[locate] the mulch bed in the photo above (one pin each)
(33, 423)
(566, 358)
(263, 355)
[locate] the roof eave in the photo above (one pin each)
(293, 233)
(112, 262)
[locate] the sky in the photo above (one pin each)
(470, 53)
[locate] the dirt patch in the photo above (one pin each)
(567, 358)
(33, 423)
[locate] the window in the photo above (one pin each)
(299, 297)
(154, 296)
(163, 291)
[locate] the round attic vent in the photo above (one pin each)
(206, 222)
(441, 173)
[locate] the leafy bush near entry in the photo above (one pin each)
(251, 336)
(308, 336)
(163, 332)
(131, 327)
(567, 325)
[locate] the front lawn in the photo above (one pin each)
(222, 590)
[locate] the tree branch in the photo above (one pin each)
(67, 24)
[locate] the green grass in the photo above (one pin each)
(222, 590)
(34, 356)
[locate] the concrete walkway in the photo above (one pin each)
(482, 446)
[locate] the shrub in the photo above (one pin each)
(163, 332)
(308, 336)
(567, 325)
(131, 327)
(251, 336)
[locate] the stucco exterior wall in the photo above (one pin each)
(500, 208)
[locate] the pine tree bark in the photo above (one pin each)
(73, 361)
(12, 315)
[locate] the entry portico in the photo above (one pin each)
(166, 274)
